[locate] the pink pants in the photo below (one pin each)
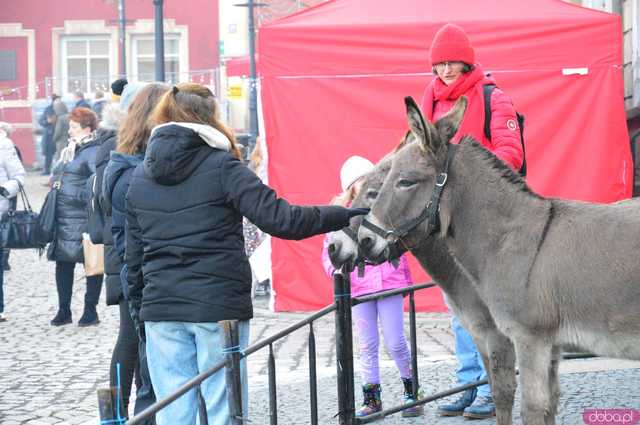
(365, 317)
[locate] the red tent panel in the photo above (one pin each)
(333, 84)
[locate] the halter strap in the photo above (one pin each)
(431, 211)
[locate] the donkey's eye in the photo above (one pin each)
(405, 183)
(372, 194)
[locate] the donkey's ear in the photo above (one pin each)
(449, 124)
(423, 130)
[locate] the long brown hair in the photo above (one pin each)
(135, 129)
(190, 102)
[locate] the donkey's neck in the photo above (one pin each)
(497, 223)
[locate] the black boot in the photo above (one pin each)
(64, 285)
(91, 297)
(62, 318)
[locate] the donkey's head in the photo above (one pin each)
(401, 217)
(343, 244)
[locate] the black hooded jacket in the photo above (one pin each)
(185, 249)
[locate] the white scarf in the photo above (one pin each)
(69, 152)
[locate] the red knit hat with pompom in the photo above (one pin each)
(451, 44)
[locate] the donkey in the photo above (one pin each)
(496, 349)
(532, 260)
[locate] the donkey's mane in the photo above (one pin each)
(495, 163)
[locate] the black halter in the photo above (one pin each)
(431, 211)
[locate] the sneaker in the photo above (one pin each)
(457, 407)
(481, 408)
(3, 318)
(372, 402)
(414, 411)
(61, 319)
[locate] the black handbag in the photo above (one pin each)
(47, 217)
(19, 228)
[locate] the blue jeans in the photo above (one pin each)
(470, 365)
(178, 351)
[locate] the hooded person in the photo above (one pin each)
(187, 269)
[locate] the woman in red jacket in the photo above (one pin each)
(458, 74)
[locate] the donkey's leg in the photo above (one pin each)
(534, 360)
(502, 359)
(554, 381)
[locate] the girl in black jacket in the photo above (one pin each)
(187, 268)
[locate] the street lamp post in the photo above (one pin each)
(253, 88)
(159, 40)
(122, 22)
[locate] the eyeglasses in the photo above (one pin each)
(453, 64)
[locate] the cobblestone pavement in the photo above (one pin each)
(50, 375)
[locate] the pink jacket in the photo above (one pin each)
(376, 278)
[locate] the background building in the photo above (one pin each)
(67, 45)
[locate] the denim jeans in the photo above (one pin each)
(178, 351)
(470, 365)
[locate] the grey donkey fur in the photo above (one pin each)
(496, 350)
(553, 273)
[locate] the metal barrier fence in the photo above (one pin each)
(344, 362)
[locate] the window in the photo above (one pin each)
(85, 64)
(144, 58)
(7, 65)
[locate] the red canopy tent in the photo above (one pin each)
(334, 77)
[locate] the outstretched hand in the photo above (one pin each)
(358, 211)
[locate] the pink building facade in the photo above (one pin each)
(74, 45)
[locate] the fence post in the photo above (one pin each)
(232, 370)
(344, 348)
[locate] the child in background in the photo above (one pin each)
(388, 310)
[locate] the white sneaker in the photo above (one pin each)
(3, 318)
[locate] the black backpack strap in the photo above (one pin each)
(487, 89)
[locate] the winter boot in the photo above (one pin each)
(457, 407)
(409, 397)
(481, 408)
(63, 317)
(89, 317)
(91, 297)
(372, 402)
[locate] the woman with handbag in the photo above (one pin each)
(77, 163)
(11, 177)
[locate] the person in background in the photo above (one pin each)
(186, 265)
(132, 142)
(116, 89)
(76, 165)
(458, 74)
(99, 104)
(388, 311)
(11, 177)
(61, 131)
(81, 102)
(48, 122)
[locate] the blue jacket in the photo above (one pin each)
(115, 185)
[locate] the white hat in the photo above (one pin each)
(352, 169)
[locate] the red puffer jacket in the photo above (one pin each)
(505, 133)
